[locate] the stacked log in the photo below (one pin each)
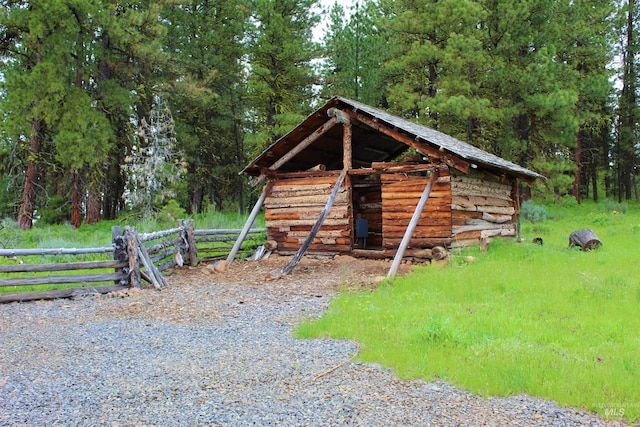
(293, 206)
(482, 207)
(400, 196)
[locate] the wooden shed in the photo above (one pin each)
(473, 194)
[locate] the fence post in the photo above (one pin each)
(189, 237)
(120, 253)
(131, 239)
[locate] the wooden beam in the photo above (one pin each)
(347, 158)
(321, 130)
(300, 253)
(449, 159)
(58, 293)
(412, 225)
(247, 226)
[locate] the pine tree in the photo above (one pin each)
(355, 50)
(281, 76)
(626, 148)
(208, 85)
(587, 46)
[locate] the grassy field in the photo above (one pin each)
(92, 236)
(548, 321)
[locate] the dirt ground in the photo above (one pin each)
(198, 293)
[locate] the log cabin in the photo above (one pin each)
(342, 182)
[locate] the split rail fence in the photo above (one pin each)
(132, 259)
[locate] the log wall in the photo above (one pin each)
(482, 207)
(400, 196)
(293, 206)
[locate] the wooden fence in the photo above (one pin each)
(133, 259)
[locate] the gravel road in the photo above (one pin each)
(213, 352)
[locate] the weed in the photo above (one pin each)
(543, 320)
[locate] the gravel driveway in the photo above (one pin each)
(216, 350)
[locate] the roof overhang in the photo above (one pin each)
(377, 136)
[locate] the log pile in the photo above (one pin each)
(400, 195)
(482, 207)
(293, 206)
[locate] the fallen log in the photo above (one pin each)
(585, 238)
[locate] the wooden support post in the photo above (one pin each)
(246, 228)
(312, 234)
(119, 251)
(157, 280)
(298, 148)
(342, 117)
(412, 225)
(132, 255)
(348, 147)
(189, 239)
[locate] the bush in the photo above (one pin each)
(57, 210)
(532, 212)
(611, 206)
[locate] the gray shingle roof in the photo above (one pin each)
(443, 141)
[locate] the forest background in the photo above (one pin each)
(112, 106)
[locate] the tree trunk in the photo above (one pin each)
(93, 207)
(76, 201)
(577, 155)
(584, 238)
(28, 204)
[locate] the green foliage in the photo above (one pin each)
(532, 212)
(56, 211)
(547, 321)
(280, 82)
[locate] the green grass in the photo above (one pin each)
(96, 235)
(547, 321)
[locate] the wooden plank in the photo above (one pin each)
(419, 233)
(57, 293)
(489, 201)
(415, 187)
(58, 251)
(305, 222)
(448, 158)
(341, 198)
(497, 210)
(234, 231)
(419, 243)
(300, 253)
(321, 130)
(400, 195)
(411, 228)
(301, 191)
(306, 178)
(391, 218)
(55, 280)
(395, 179)
(84, 265)
(484, 226)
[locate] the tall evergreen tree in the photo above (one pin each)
(355, 49)
(587, 46)
(281, 75)
(626, 149)
(208, 87)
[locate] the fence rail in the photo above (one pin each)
(135, 258)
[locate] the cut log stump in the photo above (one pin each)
(585, 238)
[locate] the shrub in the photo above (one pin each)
(532, 212)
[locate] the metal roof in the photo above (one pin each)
(370, 145)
